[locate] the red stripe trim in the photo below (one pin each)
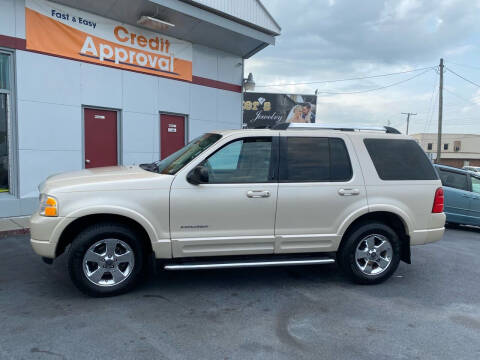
(21, 44)
(13, 42)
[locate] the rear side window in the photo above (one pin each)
(314, 159)
(453, 179)
(398, 159)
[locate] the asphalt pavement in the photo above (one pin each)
(427, 310)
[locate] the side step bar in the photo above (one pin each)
(247, 264)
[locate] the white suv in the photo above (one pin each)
(301, 195)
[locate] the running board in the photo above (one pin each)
(247, 264)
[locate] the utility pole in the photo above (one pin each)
(440, 114)
(408, 118)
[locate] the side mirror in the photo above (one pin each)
(197, 176)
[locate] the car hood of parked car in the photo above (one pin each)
(105, 178)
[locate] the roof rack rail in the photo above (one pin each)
(315, 126)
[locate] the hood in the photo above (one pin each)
(104, 178)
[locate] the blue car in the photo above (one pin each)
(462, 195)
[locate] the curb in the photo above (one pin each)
(14, 232)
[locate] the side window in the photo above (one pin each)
(241, 161)
(314, 159)
(475, 184)
(453, 179)
(399, 159)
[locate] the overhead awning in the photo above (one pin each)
(193, 23)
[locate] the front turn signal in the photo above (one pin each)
(48, 205)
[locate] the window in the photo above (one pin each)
(245, 160)
(429, 146)
(314, 159)
(475, 184)
(397, 159)
(4, 94)
(445, 146)
(453, 179)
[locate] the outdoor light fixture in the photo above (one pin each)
(248, 83)
(154, 24)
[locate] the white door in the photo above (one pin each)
(320, 186)
(234, 212)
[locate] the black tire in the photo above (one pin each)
(346, 254)
(90, 236)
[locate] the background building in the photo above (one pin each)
(96, 83)
(458, 150)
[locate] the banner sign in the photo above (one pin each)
(264, 110)
(60, 30)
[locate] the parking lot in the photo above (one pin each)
(428, 310)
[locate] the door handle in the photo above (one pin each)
(87, 161)
(348, 192)
(258, 194)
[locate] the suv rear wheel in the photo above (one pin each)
(106, 259)
(370, 254)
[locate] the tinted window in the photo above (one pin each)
(453, 179)
(241, 161)
(314, 159)
(397, 159)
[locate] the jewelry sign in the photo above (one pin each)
(60, 30)
(264, 110)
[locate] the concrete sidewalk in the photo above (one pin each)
(14, 225)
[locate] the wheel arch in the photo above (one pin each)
(398, 223)
(80, 223)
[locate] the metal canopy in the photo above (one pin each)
(192, 23)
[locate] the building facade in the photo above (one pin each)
(458, 150)
(116, 82)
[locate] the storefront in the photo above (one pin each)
(116, 82)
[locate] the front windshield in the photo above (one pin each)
(173, 163)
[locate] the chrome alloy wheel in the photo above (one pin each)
(373, 254)
(108, 262)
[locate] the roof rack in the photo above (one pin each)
(314, 126)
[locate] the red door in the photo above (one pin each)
(100, 138)
(172, 134)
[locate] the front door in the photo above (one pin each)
(100, 138)
(172, 134)
(234, 212)
(475, 200)
(457, 195)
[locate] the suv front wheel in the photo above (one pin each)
(105, 259)
(370, 254)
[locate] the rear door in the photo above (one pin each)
(320, 186)
(457, 195)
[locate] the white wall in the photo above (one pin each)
(51, 92)
(12, 18)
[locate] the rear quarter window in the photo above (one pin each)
(399, 159)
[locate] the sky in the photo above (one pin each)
(337, 39)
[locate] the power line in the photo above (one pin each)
(464, 65)
(347, 79)
(374, 89)
(464, 78)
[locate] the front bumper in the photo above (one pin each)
(43, 231)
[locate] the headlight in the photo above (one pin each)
(48, 205)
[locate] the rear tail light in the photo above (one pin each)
(438, 201)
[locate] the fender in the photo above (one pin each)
(374, 208)
(407, 221)
(104, 209)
